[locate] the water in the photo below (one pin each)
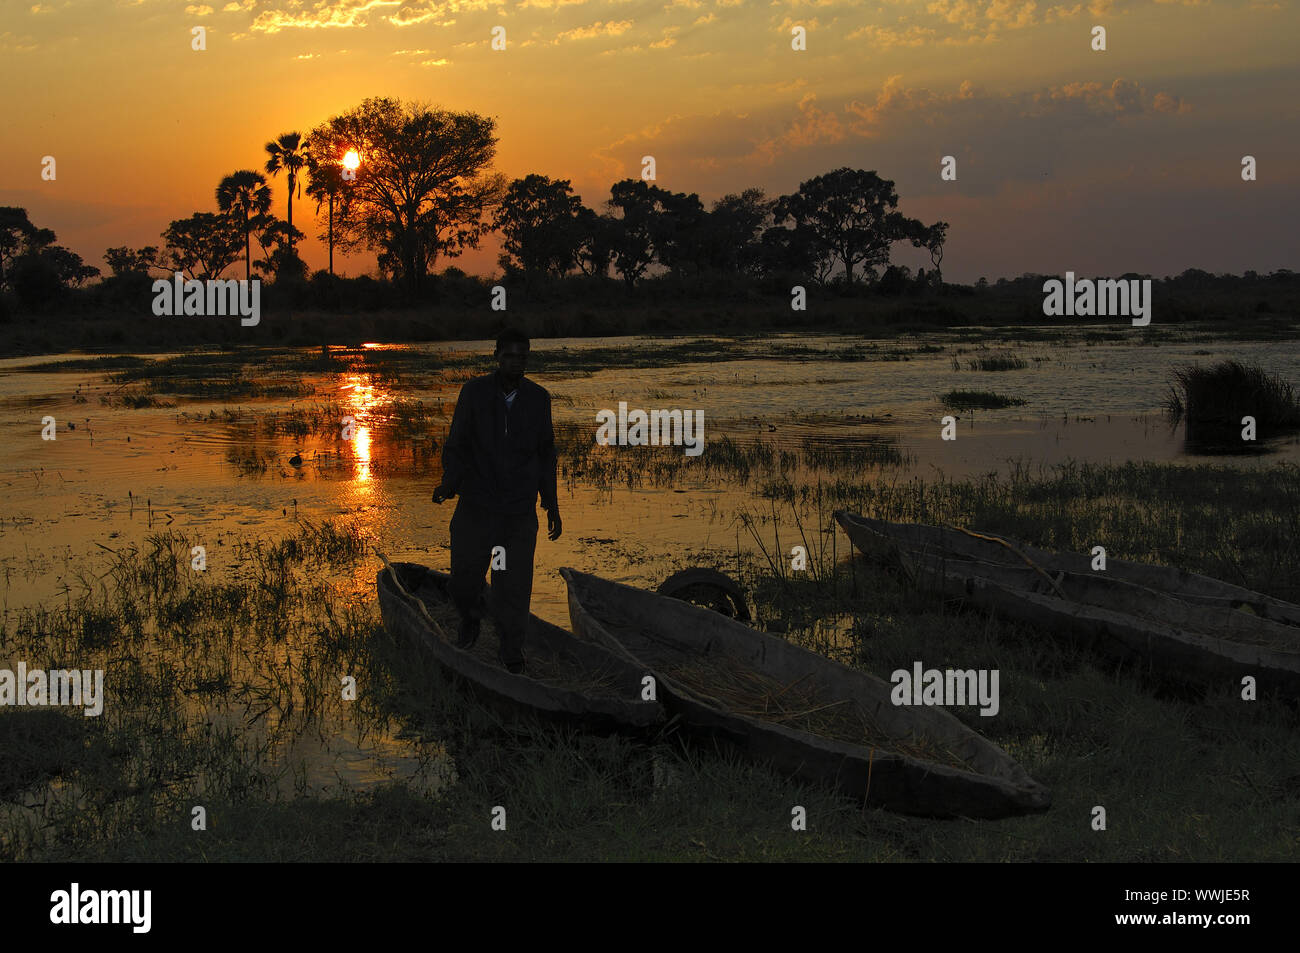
(122, 473)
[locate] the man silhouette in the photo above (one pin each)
(499, 456)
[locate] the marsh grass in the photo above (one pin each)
(730, 458)
(133, 400)
(215, 376)
(994, 362)
(977, 400)
(1213, 400)
(214, 679)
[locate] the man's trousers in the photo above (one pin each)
(475, 534)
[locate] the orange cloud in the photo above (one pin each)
(599, 28)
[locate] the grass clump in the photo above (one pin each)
(1213, 400)
(994, 362)
(977, 400)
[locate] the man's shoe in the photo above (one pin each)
(515, 668)
(468, 633)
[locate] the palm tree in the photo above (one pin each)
(325, 185)
(290, 153)
(245, 196)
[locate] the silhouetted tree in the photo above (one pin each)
(18, 235)
(792, 253)
(280, 260)
(289, 153)
(597, 240)
(245, 196)
(848, 216)
(895, 280)
(931, 238)
(680, 232)
(539, 220)
(423, 185)
(127, 262)
(203, 245)
(935, 237)
(733, 232)
(42, 272)
(634, 240)
(326, 184)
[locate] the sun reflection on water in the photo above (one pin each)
(362, 397)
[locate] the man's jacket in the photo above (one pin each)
(498, 458)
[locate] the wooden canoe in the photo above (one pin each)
(1171, 637)
(566, 680)
(1188, 586)
(915, 760)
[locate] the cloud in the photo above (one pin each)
(693, 142)
(897, 105)
(435, 62)
(964, 13)
(416, 12)
(325, 14)
(1013, 14)
(1166, 103)
(1061, 12)
(884, 38)
(599, 28)
(12, 43)
(1123, 97)
(345, 14)
(199, 10)
(996, 136)
(669, 38)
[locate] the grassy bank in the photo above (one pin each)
(1273, 314)
(216, 681)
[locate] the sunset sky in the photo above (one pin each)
(1067, 159)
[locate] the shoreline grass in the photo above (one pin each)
(1197, 776)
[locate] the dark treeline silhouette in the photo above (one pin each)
(420, 189)
(414, 185)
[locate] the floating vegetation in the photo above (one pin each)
(133, 400)
(977, 400)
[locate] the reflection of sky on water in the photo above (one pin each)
(122, 474)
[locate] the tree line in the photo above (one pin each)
(414, 185)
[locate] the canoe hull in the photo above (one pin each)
(883, 538)
(1164, 635)
(998, 788)
(517, 695)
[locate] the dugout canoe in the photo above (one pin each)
(914, 760)
(1211, 640)
(566, 680)
(878, 537)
